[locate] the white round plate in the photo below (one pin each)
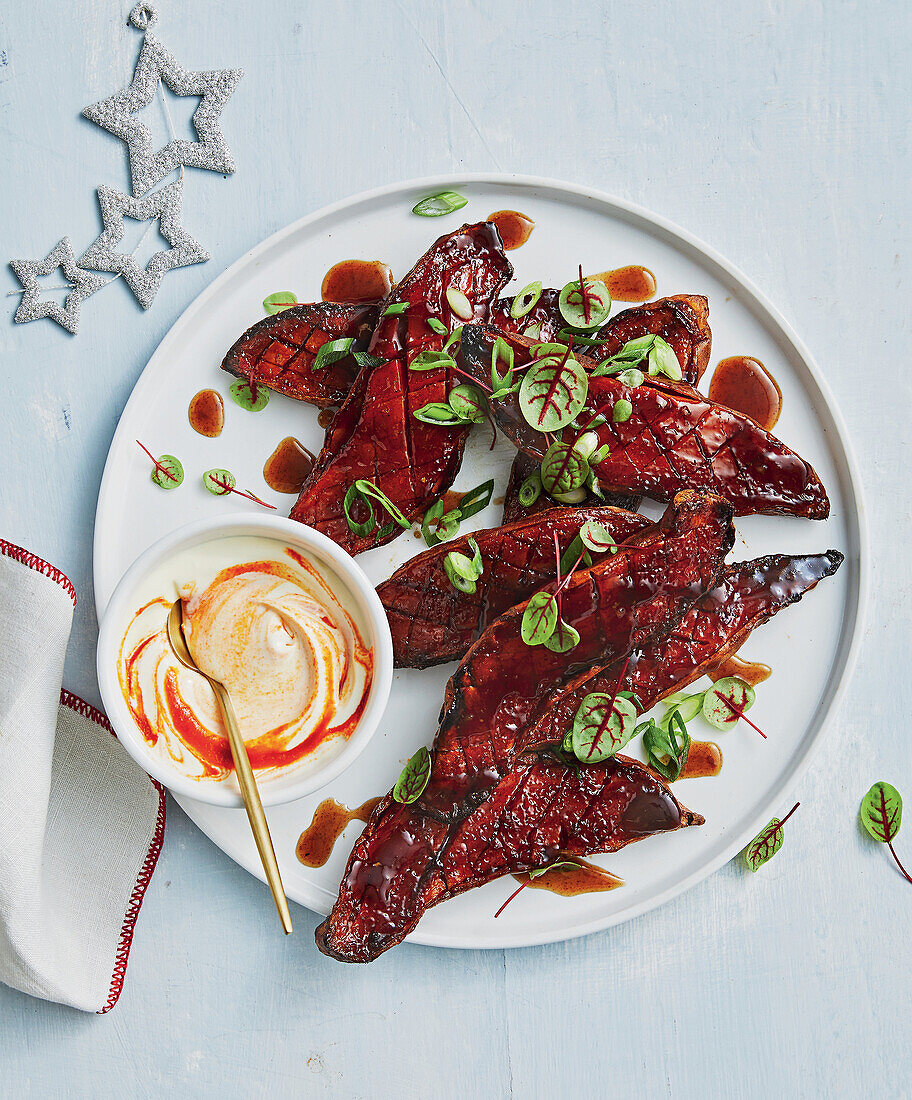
(811, 647)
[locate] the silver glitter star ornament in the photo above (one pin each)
(164, 204)
(115, 114)
(33, 307)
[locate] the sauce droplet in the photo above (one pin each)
(325, 417)
(206, 413)
(704, 758)
(514, 228)
(584, 878)
(356, 281)
(316, 843)
(287, 467)
(744, 384)
(751, 672)
(629, 284)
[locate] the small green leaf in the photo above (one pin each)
(168, 473)
(553, 391)
(539, 619)
(525, 301)
(560, 865)
(596, 537)
(414, 777)
(396, 309)
(331, 352)
(249, 395)
(453, 340)
(530, 490)
(437, 326)
(602, 726)
(881, 812)
(574, 552)
(622, 411)
(584, 303)
(633, 352)
(435, 206)
(767, 842)
(468, 402)
(438, 412)
(726, 700)
(282, 299)
(563, 469)
(564, 638)
(219, 482)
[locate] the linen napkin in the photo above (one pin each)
(81, 825)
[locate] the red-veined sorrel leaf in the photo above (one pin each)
(881, 812)
(597, 537)
(564, 638)
(563, 469)
(725, 702)
(603, 725)
(539, 619)
(282, 299)
(881, 815)
(414, 777)
(767, 842)
(552, 393)
(246, 393)
(167, 472)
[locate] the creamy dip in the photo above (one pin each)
(276, 629)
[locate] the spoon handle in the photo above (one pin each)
(253, 805)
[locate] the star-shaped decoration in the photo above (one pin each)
(165, 205)
(116, 112)
(32, 307)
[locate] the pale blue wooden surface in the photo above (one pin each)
(776, 131)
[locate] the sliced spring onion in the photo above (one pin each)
(435, 206)
(526, 300)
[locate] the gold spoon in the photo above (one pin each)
(245, 776)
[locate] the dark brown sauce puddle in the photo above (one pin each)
(356, 281)
(583, 878)
(704, 758)
(744, 384)
(206, 413)
(751, 672)
(514, 228)
(287, 467)
(629, 284)
(316, 843)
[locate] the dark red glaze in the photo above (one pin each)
(502, 685)
(409, 859)
(431, 622)
(718, 624)
(484, 813)
(523, 466)
(406, 861)
(545, 313)
(375, 434)
(671, 442)
(682, 320)
(279, 351)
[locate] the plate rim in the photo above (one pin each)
(818, 728)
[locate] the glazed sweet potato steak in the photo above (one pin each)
(375, 435)
(670, 442)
